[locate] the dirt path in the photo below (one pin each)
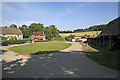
(10, 56)
(75, 47)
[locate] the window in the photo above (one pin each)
(3, 35)
(17, 35)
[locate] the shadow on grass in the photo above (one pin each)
(104, 57)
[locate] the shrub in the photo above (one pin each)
(71, 36)
(26, 39)
(12, 40)
(3, 38)
(42, 41)
(83, 37)
(58, 38)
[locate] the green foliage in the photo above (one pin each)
(42, 41)
(48, 33)
(25, 31)
(96, 28)
(58, 38)
(92, 28)
(13, 40)
(51, 32)
(79, 30)
(13, 26)
(83, 37)
(71, 36)
(68, 31)
(2, 38)
(36, 27)
(26, 39)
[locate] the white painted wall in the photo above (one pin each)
(79, 39)
(73, 39)
(83, 39)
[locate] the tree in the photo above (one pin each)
(13, 26)
(51, 32)
(78, 30)
(36, 27)
(68, 31)
(54, 31)
(25, 31)
(48, 33)
(71, 36)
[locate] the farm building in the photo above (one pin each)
(109, 38)
(9, 33)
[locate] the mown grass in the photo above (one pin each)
(39, 47)
(102, 56)
(80, 33)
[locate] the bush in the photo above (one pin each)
(3, 38)
(58, 38)
(83, 37)
(42, 41)
(26, 39)
(13, 40)
(71, 36)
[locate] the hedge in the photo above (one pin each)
(42, 41)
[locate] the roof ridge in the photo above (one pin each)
(9, 27)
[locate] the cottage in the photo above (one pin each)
(38, 36)
(9, 32)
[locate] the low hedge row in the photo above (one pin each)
(12, 41)
(42, 41)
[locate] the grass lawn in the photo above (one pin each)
(80, 33)
(102, 56)
(40, 47)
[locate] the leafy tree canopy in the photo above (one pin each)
(13, 26)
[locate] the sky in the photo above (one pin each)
(65, 15)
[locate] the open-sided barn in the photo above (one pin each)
(109, 38)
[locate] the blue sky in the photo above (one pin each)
(65, 15)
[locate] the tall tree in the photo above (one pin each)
(25, 31)
(54, 31)
(48, 33)
(36, 27)
(13, 26)
(51, 32)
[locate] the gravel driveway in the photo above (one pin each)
(68, 63)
